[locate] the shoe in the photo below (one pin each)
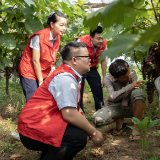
(132, 139)
(124, 126)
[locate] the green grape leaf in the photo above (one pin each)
(5, 27)
(142, 48)
(138, 3)
(66, 9)
(29, 2)
(8, 10)
(7, 40)
(68, 2)
(147, 37)
(123, 44)
(112, 32)
(92, 19)
(33, 24)
(2, 66)
(114, 13)
(17, 28)
(27, 10)
(22, 46)
(7, 62)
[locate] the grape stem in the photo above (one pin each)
(136, 62)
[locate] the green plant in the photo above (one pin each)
(144, 126)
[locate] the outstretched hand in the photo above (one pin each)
(136, 84)
(103, 84)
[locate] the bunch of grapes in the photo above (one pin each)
(150, 91)
(17, 62)
(150, 72)
(8, 72)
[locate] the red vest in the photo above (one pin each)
(41, 119)
(94, 58)
(48, 55)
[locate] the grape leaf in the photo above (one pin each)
(29, 2)
(92, 19)
(7, 62)
(2, 66)
(124, 43)
(33, 24)
(5, 27)
(151, 35)
(7, 40)
(112, 32)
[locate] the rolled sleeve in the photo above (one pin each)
(64, 89)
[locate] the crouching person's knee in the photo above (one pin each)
(138, 94)
(101, 118)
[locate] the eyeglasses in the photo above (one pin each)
(84, 56)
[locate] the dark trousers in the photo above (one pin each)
(29, 86)
(74, 140)
(94, 80)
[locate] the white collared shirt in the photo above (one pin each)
(35, 41)
(65, 89)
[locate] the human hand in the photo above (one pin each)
(97, 138)
(103, 84)
(40, 82)
(136, 84)
(126, 107)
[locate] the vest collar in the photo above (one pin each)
(47, 37)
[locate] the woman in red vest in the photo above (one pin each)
(39, 56)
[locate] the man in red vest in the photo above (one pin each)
(51, 120)
(95, 45)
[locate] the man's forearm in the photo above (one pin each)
(104, 67)
(72, 116)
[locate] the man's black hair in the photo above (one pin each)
(98, 30)
(118, 68)
(67, 49)
(54, 17)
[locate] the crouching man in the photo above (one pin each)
(126, 98)
(51, 121)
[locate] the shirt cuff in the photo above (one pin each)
(63, 105)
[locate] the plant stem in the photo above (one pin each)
(154, 11)
(147, 20)
(145, 24)
(7, 89)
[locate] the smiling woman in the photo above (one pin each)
(40, 54)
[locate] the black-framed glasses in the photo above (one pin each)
(83, 56)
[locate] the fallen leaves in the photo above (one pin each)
(14, 156)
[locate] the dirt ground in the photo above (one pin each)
(114, 148)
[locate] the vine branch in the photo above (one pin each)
(154, 11)
(147, 20)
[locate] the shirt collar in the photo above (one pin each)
(93, 45)
(76, 73)
(51, 38)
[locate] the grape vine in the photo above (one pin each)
(151, 70)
